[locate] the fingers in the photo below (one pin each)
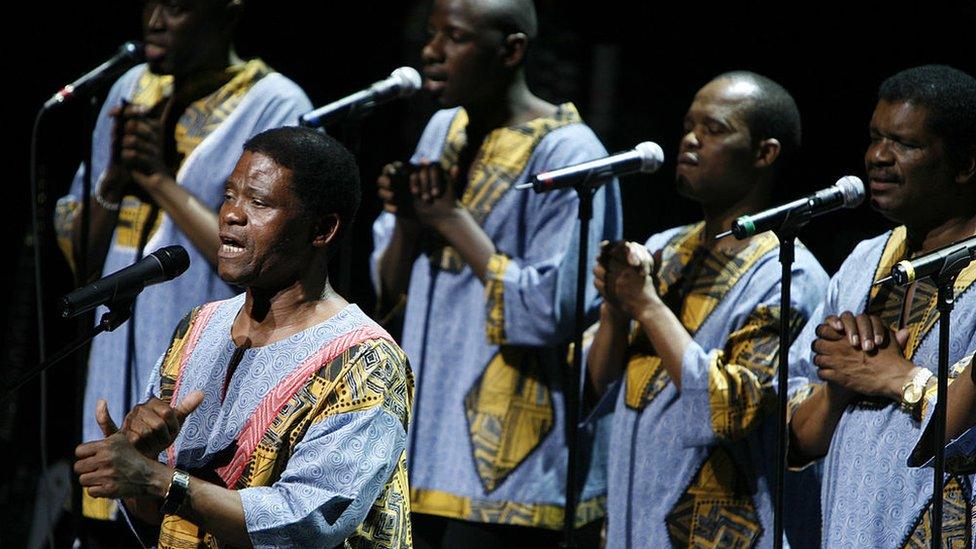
(834, 322)
(865, 330)
(902, 336)
(104, 419)
(850, 328)
(189, 403)
(827, 330)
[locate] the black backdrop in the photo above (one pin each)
(631, 69)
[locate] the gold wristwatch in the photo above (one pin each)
(913, 391)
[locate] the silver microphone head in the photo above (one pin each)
(409, 80)
(651, 156)
(852, 188)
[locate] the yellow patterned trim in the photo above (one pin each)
(956, 521)
(98, 508)
(794, 461)
(444, 504)
(645, 376)
(740, 378)
(716, 509)
(499, 162)
(495, 298)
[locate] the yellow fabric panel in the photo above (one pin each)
(740, 379)
(98, 508)
(509, 411)
(956, 527)
(501, 159)
(443, 504)
(495, 299)
(716, 509)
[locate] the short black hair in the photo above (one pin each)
(325, 177)
(512, 16)
(772, 114)
(949, 96)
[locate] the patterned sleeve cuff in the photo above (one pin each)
(794, 461)
(495, 298)
(65, 213)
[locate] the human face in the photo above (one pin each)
(265, 235)
(907, 166)
(184, 36)
(716, 155)
(463, 55)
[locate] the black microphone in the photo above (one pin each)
(162, 265)
(128, 56)
(848, 192)
(646, 157)
(944, 261)
(402, 82)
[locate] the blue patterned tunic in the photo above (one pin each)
(870, 497)
(693, 467)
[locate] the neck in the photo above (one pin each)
(925, 238)
(269, 315)
(513, 104)
(226, 58)
(719, 217)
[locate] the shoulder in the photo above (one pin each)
(661, 239)
(277, 89)
(572, 142)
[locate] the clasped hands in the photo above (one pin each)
(857, 354)
(138, 151)
(124, 464)
(623, 276)
(425, 194)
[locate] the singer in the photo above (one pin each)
(489, 275)
(875, 347)
(159, 163)
(289, 405)
(689, 326)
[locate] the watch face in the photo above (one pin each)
(913, 393)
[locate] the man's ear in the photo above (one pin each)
(767, 152)
(326, 231)
(515, 48)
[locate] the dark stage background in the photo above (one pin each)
(632, 71)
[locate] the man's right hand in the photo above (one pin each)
(153, 425)
(390, 189)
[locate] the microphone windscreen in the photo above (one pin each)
(136, 51)
(852, 188)
(409, 79)
(651, 156)
(174, 260)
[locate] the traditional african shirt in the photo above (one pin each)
(310, 430)
(489, 438)
(870, 497)
(693, 467)
(248, 98)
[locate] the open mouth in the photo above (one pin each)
(230, 246)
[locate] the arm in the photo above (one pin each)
(605, 360)
(815, 419)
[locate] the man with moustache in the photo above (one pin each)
(689, 334)
(159, 161)
(876, 347)
(276, 418)
(489, 277)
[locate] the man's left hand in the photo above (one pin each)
(435, 201)
(881, 371)
(628, 280)
(114, 468)
(142, 148)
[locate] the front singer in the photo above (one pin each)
(489, 277)
(290, 406)
(692, 379)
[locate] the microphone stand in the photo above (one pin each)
(787, 255)
(571, 390)
(946, 301)
(117, 314)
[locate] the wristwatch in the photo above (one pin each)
(913, 391)
(179, 486)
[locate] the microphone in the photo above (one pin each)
(162, 265)
(945, 261)
(646, 157)
(848, 192)
(128, 56)
(402, 82)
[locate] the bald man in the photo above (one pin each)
(687, 344)
(489, 277)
